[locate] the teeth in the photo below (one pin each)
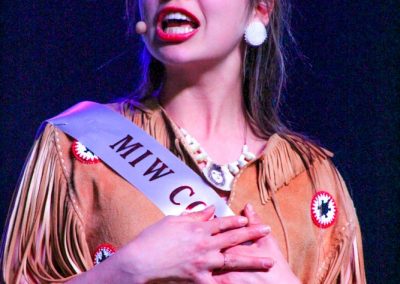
(179, 30)
(177, 16)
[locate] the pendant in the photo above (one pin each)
(219, 176)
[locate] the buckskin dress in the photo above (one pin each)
(64, 208)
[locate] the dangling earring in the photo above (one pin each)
(256, 33)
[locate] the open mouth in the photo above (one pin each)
(176, 24)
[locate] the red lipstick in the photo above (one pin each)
(176, 25)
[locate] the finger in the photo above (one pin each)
(219, 225)
(238, 236)
(251, 214)
(254, 219)
(203, 215)
(205, 278)
(241, 262)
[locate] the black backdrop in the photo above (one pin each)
(343, 91)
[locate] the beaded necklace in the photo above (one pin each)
(220, 176)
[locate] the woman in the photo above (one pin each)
(203, 85)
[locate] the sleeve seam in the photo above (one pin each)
(66, 175)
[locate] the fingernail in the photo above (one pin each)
(209, 208)
(242, 220)
(265, 230)
(268, 263)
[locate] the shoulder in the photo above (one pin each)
(298, 145)
(74, 124)
(88, 112)
(131, 108)
(303, 166)
(289, 155)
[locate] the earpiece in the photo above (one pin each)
(141, 27)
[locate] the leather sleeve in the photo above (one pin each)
(44, 240)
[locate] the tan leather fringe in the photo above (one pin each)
(284, 158)
(45, 241)
(344, 261)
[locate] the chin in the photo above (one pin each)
(174, 55)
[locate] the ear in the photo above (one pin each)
(263, 10)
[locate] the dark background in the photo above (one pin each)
(344, 91)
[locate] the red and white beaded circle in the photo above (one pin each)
(83, 154)
(103, 252)
(323, 209)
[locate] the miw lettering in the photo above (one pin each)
(158, 172)
(125, 147)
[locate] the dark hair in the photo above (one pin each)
(264, 70)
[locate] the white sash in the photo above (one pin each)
(137, 157)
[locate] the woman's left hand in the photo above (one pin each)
(265, 247)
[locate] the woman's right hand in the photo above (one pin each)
(183, 248)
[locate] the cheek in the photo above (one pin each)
(225, 19)
(148, 10)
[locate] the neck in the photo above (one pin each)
(206, 100)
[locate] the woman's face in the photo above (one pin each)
(217, 176)
(194, 31)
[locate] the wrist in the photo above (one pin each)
(111, 270)
(128, 263)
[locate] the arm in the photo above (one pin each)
(43, 241)
(341, 256)
(352, 268)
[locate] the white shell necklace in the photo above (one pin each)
(220, 176)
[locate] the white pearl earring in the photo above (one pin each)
(141, 27)
(256, 33)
